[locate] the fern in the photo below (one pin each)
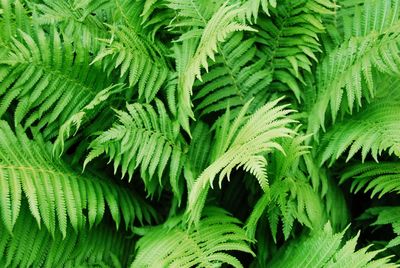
(290, 40)
(137, 60)
(83, 117)
(175, 95)
(369, 130)
(34, 74)
(242, 143)
(79, 20)
(57, 195)
(203, 41)
(291, 196)
(382, 178)
(207, 245)
(30, 246)
(146, 137)
(324, 249)
(252, 8)
(385, 215)
(234, 78)
(347, 72)
(324, 182)
(198, 155)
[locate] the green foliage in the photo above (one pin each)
(209, 25)
(241, 143)
(47, 74)
(368, 130)
(236, 76)
(56, 194)
(325, 249)
(290, 107)
(346, 74)
(291, 196)
(75, 18)
(30, 246)
(138, 61)
(289, 40)
(145, 137)
(206, 245)
(379, 178)
(385, 215)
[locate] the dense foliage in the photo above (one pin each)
(199, 133)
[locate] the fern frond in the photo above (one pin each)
(244, 142)
(291, 196)
(384, 216)
(289, 39)
(127, 13)
(347, 75)
(156, 16)
(289, 199)
(139, 62)
(56, 194)
(370, 130)
(80, 20)
(49, 78)
(236, 76)
(74, 123)
(198, 152)
(333, 197)
(382, 178)
(284, 164)
(147, 137)
(367, 16)
(252, 7)
(205, 37)
(325, 249)
(30, 246)
(206, 245)
(14, 18)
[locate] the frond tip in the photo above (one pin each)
(244, 142)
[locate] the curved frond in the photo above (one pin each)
(144, 137)
(139, 61)
(74, 123)
(57, 195)
(291, 196)
(204, 39)
(14, 17)
(80, 20)
(198, 153)
(206, 245)
(253, 7)
(244, 142)
(379, 178)
(324, 182)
